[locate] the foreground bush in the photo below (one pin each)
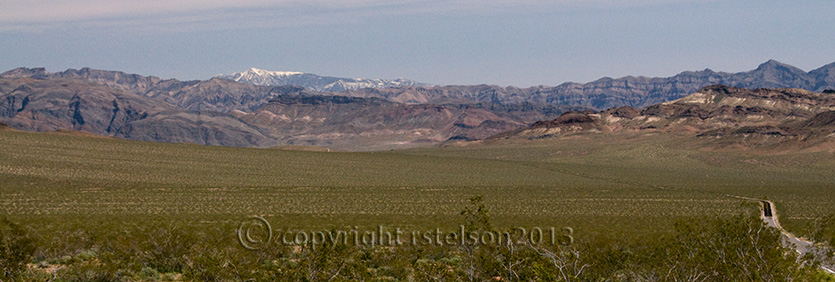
(16, 250)
(737, 248)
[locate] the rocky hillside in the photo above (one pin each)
(229, 113)
(81, 105)
(720, 115)
(348, 123)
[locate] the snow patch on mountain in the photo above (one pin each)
(315, 82)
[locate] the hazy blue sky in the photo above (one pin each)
(505, 42)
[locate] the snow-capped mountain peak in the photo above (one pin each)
(260, 72)
(314, 82)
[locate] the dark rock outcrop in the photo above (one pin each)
(720, 115)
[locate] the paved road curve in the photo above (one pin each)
(769, 215)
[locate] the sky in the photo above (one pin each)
(504, 42)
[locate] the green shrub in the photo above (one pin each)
(92, 272)
(16, 249)
(149, 274)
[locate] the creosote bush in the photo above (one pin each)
(16, 250)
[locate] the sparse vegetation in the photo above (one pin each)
(115, 210)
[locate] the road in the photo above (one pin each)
(769, 215)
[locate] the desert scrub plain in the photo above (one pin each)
(83, 208)
(802, 184)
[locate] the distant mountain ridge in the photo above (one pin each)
(292, 116)
(224, 95)
(608, 92)
(315, 82)
(196, 95)
(229, 113)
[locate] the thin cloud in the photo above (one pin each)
(49, 14)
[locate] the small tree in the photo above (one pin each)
(476, 220)
(475, 215)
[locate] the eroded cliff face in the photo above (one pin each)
(81, 105)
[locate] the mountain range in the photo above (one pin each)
(608, 92)
(292, 116)
(315, 82)
(224, 112)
